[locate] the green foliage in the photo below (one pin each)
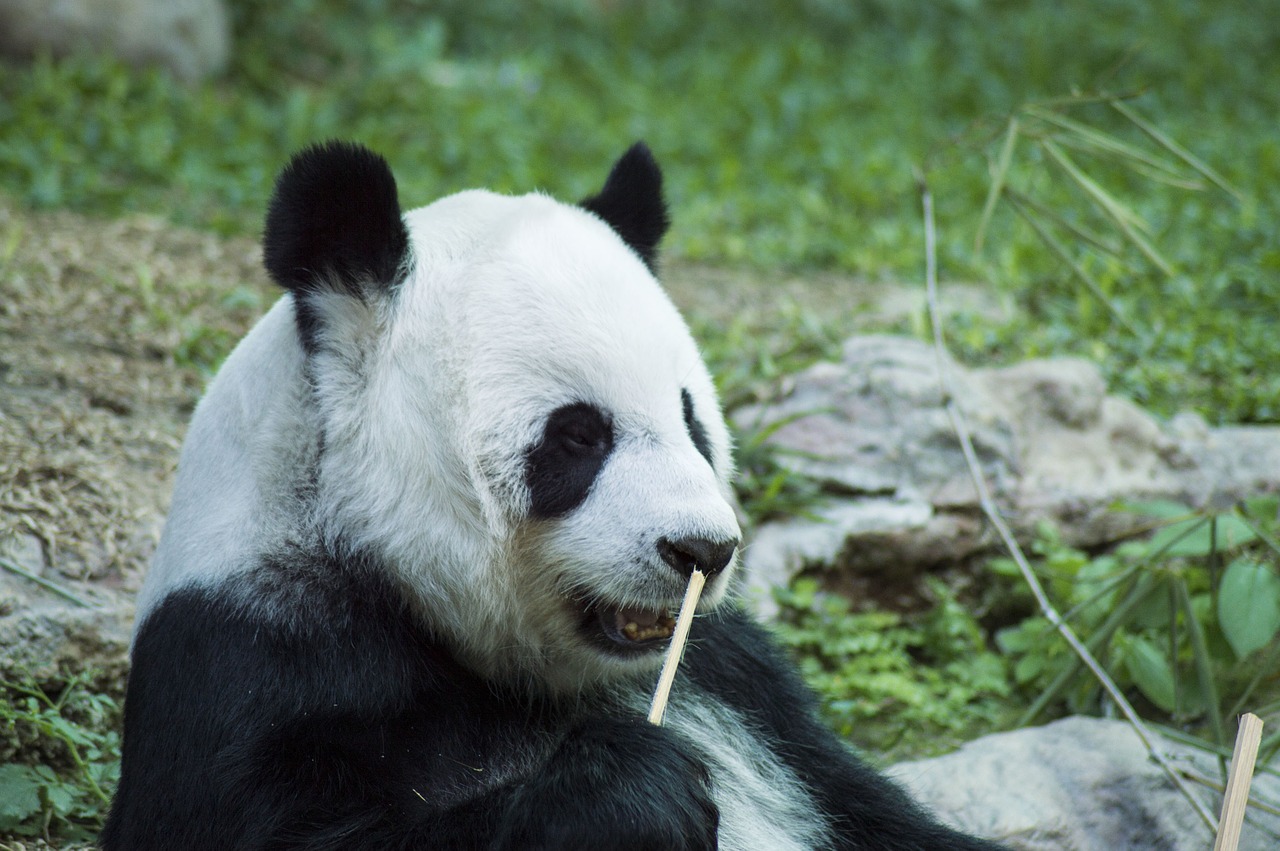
(792, 130)
(73, 753)
(1198, 640)
(898, 683)
(1163, 325)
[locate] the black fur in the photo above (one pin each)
(732, 657)
(632, 203)
(334, 221)
(696, 432)
(341, 724)
(561, 467)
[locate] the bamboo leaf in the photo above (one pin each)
(998, 179)
(1186, 183)
(1091, 137)
(1059, 249)
(1160, 138)
(1141, 590)
(1078, 231)
(1128, 221)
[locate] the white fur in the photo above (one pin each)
(233, 492)
(763, 805)
(428, 401)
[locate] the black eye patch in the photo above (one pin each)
(697, 433)
(561, 467)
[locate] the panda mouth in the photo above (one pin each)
(627, 630)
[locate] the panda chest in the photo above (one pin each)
(763, 805)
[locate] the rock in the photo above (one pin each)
(46, 636)
(1079, 784)
(1052, 444)
(191, 38)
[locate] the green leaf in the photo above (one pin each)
(1184, 538)
(1249, 606)
(1151, 672)
(19, 795)
(998, 178)
(1263, 507)
(1198, 536)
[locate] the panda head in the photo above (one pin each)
(511, 415)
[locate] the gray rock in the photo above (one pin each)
(1080, 784)
(46, 636)
(1053, 445)
(192, 38)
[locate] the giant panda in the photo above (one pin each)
(429, 525)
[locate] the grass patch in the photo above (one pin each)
(902, 685)
(790, 132)
(67, 735)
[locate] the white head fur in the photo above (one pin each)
(393, 412)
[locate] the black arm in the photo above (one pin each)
(356, 730)
(731, 656)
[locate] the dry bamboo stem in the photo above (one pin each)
(1236, 798)
(675, 651)
(992, 512)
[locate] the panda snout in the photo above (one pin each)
(685, 555)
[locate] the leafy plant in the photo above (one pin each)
(66, 790)
(1189, 618)
(903, 684)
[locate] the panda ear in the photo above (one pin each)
(631, 202)
(334, 225)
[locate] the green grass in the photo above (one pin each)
(789, 131)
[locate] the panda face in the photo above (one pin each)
(512, 415)
(597, 446)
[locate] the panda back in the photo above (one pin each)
(246, 453)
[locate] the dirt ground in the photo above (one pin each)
(101, 329)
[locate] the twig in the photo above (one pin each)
(992, 512)
(1236, 798)
(14, 567)
(676, 649)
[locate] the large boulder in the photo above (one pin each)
(1052, 443)
(189, 37)
(1081, 784)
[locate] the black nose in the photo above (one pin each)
(686, 554)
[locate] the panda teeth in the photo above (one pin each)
(655, 627)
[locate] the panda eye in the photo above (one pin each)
(561, 467)
(697, 433)
(591, 435)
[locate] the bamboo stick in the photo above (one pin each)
(1236, 798)
(675, 651)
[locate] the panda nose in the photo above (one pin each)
(687, 554)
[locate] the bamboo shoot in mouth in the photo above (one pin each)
(675, 651)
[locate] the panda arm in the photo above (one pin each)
(243, 733)
(731, 656)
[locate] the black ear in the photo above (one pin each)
(631, 202)
(334, 222)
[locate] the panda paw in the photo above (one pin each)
(615, 785)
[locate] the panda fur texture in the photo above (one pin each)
(414, 514)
